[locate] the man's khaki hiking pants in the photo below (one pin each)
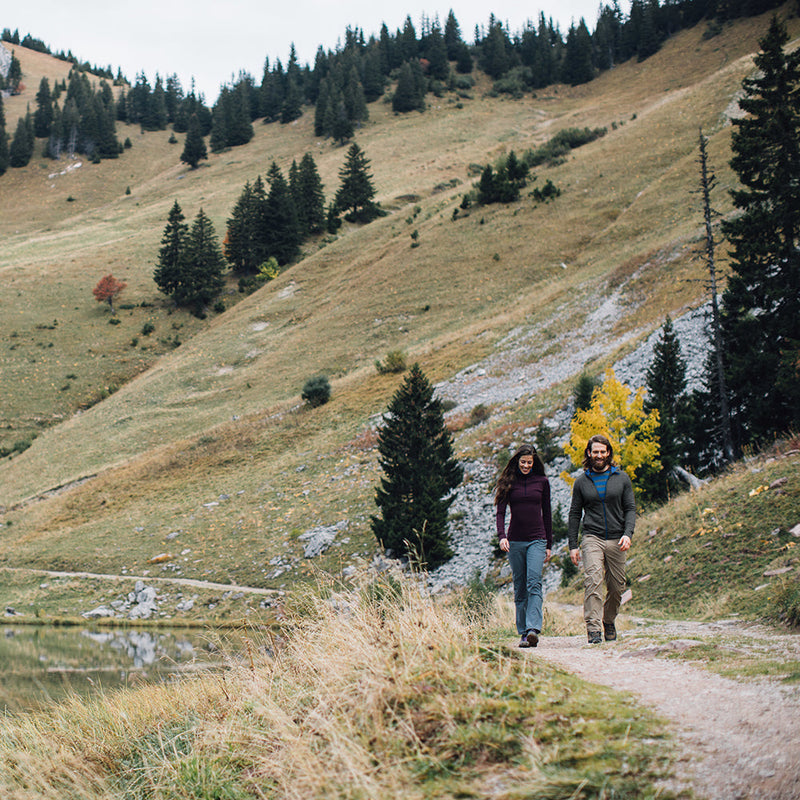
(602, 561)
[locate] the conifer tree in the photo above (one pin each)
(55, 140)
(356, 191)
(649, 38)
(407, 43)
(203, 266)
(577, 67)
(107, 144)
(245, 243)
(373, 80)
(194, 149)
(173, 98)
(341, 126)
(322, 109)
(310, 202)
(406, 97)
(239, 125)
(420, 473)
(486, 189)
(355, 102)
(279, 227)
(761, 304)
(14, 76)
(666, 391)
(221, 119)
(21, 149)
(292, 107)
(494, 55)
(271, 92)
(4, 155)
(436, 53)
(43, 116)
(158, 116)
(168, 273)
(452, 36)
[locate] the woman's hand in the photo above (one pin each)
(504, 545)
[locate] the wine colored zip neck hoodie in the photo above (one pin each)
(531, 517)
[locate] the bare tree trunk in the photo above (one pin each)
(687, 477)
(706, 184)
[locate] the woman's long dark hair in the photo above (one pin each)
(509, 473)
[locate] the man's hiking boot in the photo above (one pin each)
(523, 642)
(595, 637)
(532, 638)
(610, 631)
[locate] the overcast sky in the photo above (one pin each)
(212, 40)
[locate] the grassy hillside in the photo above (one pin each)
(216, 420)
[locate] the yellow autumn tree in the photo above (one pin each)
(617, 413)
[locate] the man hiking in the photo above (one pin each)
(603, 498)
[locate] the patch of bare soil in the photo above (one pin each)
(737, 739)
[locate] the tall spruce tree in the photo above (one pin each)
(308, 197)
(194, 148)
(577, 67)
(356, 191)
(169, 272)
(761, 304)
(452, 36)
(21, 149)
(221, 120)
(666, 391)
(420, 473)
(279, 225)
(203, 265)
(4, 156)
(246, 239)
(43, 116)
(406, 96)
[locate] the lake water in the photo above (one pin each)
(41, 665)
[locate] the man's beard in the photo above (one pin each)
(600, 464)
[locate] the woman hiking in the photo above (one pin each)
(524, 489)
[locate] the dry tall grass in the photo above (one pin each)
(377, 691)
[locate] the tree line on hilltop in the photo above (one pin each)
(342, 82)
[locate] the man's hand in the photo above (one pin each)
(624, 543)
(575, 555)
(547, 553)
(504, 545)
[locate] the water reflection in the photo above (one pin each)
(41, 665)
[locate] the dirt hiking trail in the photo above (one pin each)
(736, 740)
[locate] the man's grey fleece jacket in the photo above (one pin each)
(610, 519)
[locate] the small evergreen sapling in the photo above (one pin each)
(316, 391)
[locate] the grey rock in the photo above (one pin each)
(318, 540)
(99, 612)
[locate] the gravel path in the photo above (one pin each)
(737, 740)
